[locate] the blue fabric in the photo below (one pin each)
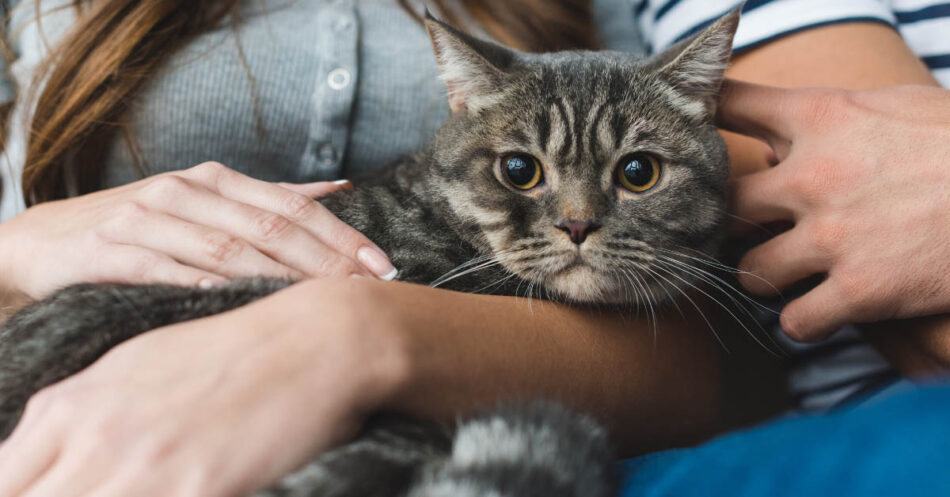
(895, 445)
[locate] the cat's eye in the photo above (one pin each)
(521, 170)
(638, 172)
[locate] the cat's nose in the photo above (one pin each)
(577, 229)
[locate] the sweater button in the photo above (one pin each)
(338, 78)
(326, 153)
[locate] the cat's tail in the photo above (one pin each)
(529, 450)
(538, 449)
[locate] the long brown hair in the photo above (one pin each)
(95, 72)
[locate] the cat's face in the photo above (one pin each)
(583, 172)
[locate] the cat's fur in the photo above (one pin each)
(445, 215)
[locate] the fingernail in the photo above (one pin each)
(209, 283)
(377, 262)
(341, 182)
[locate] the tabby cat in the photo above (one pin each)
(569, 176)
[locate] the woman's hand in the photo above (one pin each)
(194, 227)
(864, 177)
(216, 407)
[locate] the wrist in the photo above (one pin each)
(366, 328)
(11, 297)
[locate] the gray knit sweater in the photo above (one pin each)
(331, 87)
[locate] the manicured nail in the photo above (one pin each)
(341, 182)
(377, 262)
(209, 283)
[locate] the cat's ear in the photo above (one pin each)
(696, 66)
(474, 70)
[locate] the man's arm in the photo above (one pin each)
(853, 56)
(919, 348)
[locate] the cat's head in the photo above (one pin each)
(586, 172)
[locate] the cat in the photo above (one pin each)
(575, 176)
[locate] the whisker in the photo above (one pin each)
(700, 311)
(652, 274)
(649, 301)
(718, 265)
(662, 265)
(484, 265)
(705, 277)
(475, 260)
(749, 222)
(495, 284)
(713, 279)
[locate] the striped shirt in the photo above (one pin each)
(924, 24)
(844, 367)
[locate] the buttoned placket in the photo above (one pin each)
(334, 91)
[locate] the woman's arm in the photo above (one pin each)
(294, 373)
(654, 389)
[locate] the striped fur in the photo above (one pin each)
(446, 217)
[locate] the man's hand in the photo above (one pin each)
(865, 177)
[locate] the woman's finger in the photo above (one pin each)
(21, 473)
(272, 234)
(212, 251)
(134, 264)
(319, 188)
(142, 484)
(303, 211)
(28, 453)
(68, 476)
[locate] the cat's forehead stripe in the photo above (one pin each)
(543, 127)
(579, 121)
(564, 128)
(593, 131)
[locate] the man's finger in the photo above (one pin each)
(759, 111)
(815, 315)
(780, 262)
(761, 198)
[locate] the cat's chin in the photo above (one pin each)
(584, 284)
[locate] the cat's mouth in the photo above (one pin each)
(576, 279)
(585, 277)
(573, 263)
